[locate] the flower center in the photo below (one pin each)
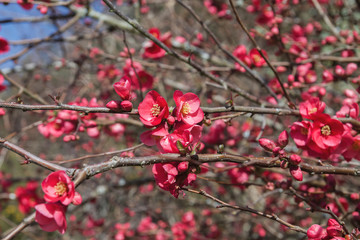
(325, 130)
(155, 110)
(186, 108)
(257, 58)
(60, 188)
(304, 131)
(313, 110)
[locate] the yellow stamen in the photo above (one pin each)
(60, 188)
(325, 130)
(186, 108)
(155, 110)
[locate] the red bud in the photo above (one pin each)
(267, 144)
(296, 172)
(295, 159)
(283, 139)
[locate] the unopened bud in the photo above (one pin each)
(295, 159)
(296, 172)
(126, 106)
(283, 139)
(114, 105)
(267, 144)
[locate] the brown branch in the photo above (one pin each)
(100, 154)
(34, 96)
(26, 222)
(31, 158)
(61, 106)
(247, 209)
(264, 162)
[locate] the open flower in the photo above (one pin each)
(51, 217)
(188, 108)
(327, 132)
(59, 187)
(153, 109)
(310, 108)
(152, 50)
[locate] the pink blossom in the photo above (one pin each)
(301, 132)
(188, 108)
(152, 50)
(327, 132)
(27, 196)
(51, 217)
(153, 109)
(310, 108)
(59, 187)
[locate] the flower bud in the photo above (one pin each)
(316, 232)
(126, 106)
(122, 87)
(284, 164)
(283, 139)
(183, 166)
(296, 172)
(295, 159)
(114, 105)
(351, 68)
(339, 71)
(170, 120)
(267, 144)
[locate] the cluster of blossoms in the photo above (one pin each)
(326, 137)
(59, 192)
(287, 161)
(147, 229)
(253, 59)
(333, 231)
(173, 131)
(218, 8)
(134, 71)
(70, 122)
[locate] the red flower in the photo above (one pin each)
(27, 197)
(51, 217)
(153, 109)
(311, 108)
(256, 57)
(301, 132)
(59, 187)
(188, 108)
(152, 50)
(4, 45)
(316, 232)
(327, 132)
(122, 87)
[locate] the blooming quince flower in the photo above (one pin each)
(188, 108)
(327, 132)
(310, 108)
(152, 50)
(51, 217)
(153, 109)
(59, 187)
